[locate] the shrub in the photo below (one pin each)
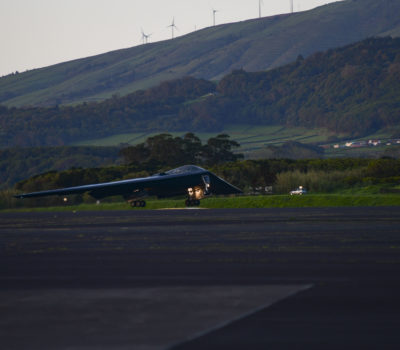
(317, 181)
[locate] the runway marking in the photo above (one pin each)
(243, 316)
(90, 318)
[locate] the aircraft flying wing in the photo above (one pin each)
(192, 180)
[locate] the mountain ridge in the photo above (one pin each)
(210, 53)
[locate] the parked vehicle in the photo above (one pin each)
(299, 191)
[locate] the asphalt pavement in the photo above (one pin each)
(201, 279)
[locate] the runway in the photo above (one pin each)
(201, 279)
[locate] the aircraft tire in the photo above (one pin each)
(138, 204)
(192, 202)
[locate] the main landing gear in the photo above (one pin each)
(138, 204)
(194, 196)
(192, 202)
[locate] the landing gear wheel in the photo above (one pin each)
(192, 202)
(138, 204)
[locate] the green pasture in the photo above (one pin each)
(254, 138)
(268, 201)
(250, 137)
(362, 152)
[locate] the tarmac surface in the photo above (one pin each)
(201, 279)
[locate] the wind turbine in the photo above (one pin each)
(148, 36)
(291, 6)
(214, 12)
(173, 26)
(143, 36)
(260, 2)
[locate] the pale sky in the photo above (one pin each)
(38, 33)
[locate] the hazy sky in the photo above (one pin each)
(38, 33)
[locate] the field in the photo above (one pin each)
(268, 201)
(250, 137)
(254, 138)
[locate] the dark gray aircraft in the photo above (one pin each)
(191, 180)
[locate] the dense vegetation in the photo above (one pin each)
(158, 153)
(17, 164)
(166, 151)
(317, 175)
(153, 109)
(210, 53)
(162, 152)
(352, 90)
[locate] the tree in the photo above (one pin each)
(164, 150)
(219, 150)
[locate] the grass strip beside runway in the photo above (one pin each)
(269, 201)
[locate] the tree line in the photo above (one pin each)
(158, 108)
(17, 164)
(156, 154)
(283, 175)
(317, 176)
(164, 150)
(351, 90)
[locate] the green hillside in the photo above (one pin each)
(210, 53)
(354, 90)
(350, 91)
